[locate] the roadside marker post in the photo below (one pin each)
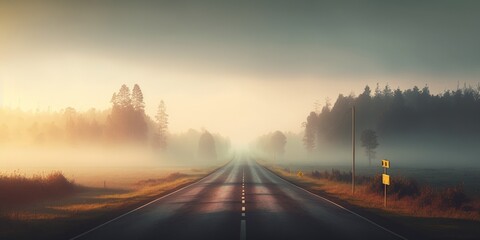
(353, 150)
(385, 180)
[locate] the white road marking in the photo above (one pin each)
(243, 222)
(336, 204)
(153, 201)
(243, 230)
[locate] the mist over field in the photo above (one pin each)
(119, 145)
(412, 128)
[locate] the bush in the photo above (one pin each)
(453, 197)
(316, 174)
(404, 187)
(427, 196)
(17, 189)
(336, 175)
(375, 184)
(400, 186)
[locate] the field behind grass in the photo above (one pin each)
(65, 213)
(435, 177)
(439, 219)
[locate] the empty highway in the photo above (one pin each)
(241, 200)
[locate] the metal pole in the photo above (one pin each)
(385, 190)
(353, 149)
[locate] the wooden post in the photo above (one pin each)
(353, 149)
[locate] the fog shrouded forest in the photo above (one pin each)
(414, 127)
(125, 124)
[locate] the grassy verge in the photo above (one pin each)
(411, 212)
(63, 214)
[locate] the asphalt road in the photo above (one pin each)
(212, 208)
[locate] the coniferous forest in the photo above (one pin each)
(398, 116)
(124, 123)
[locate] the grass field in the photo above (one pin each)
(435, 177)
(87, 206)
(434, 221)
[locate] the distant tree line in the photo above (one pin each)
(272, 144)
(124, 122)
(453, 114)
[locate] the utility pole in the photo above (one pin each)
(353, 150)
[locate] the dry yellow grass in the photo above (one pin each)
(83, 207)
(366, 199)
(93, 201)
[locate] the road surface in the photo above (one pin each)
(241, 200)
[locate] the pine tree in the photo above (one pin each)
(310, 132)
(162, 125)
(123, 97)
(114, 100)
(369, 141)
(137, 99)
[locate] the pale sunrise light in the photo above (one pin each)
(143, 119)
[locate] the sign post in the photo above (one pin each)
(353, 150)
(385, 180)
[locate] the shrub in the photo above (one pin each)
(17, 189)
(400, 186)
(375, 184)
(453, 197)
(404, 187)
(316, 174)
(336, 175)
(427, 196)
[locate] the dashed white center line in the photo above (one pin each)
(243, 230)
(243, 222)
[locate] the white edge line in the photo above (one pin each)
(146, 204)
(338, 205)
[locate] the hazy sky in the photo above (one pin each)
(239, 68)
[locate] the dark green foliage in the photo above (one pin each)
(398, 113)
(310, 131)
(369, 142)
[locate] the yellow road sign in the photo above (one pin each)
(386, 179)
(385, 163)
